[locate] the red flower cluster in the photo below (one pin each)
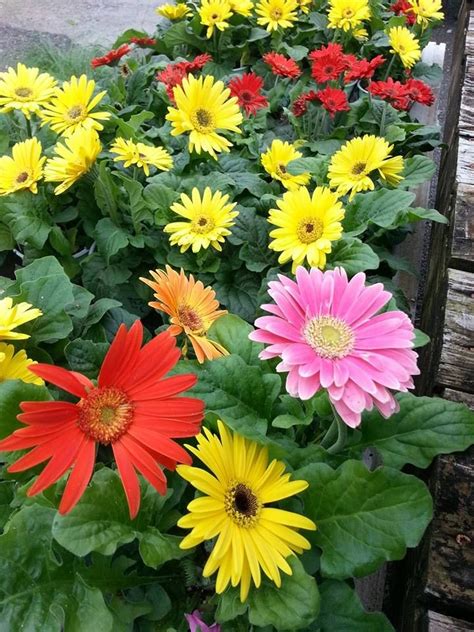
(327, 63)
(174, 74)
(403, 7)
(361, 68)
(419, 92)
(299, 104)
(146, 42)
(111, 57)
(333, 100)
(247, 90)
(282, 66)
(400, 95)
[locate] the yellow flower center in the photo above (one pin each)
(348, 13)
(309, 229)
(242, 505)
(76, 112)
(276, 14)
(190, 319)
(23, 93)
(202, 224)
(401, 48)
(22, 177)
(105, 414)
(359, 168)
(203, 121)
(330, 337)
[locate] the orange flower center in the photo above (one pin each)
(242, 505)
(330, 337)
(190, 319)
(105, 414)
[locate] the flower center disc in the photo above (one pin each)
(76, 112)
(348, 13)
(276, 14)
(242, 505)
(309, 229)
(22, 177)
(202, 224)
(190, 319)
(330, 337)
(203, 121)
(359, 168)
(23, 93)
(105, 414)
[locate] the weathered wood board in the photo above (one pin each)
(462, 250)
(439, 623)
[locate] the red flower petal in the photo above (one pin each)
(60, 462)
(164, 389)
(130, 482)
(47, 413)
(79, 477)
(122, 354)
(146, 464)
(69, 381)
(159, 443)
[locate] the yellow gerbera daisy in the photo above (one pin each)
(204, 107)
(214, 14)
(244, 8)
(352, 165)
(25, 89)
(192, 309)
(250, 536)
(208, 220)
(405, 45)
(142, 155)
(23, 168)
(74, 158)
(173, 11)
(426, 11)
(306, 226)
(14, 366)
(304, 5)
(347, 14)
(12, 316)
(277, 13)
(276, 159)
(71, 108)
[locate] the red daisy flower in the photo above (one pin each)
(111, 57)
(403, 7)
(419, 91)
(146, 42)
(174, 74)
(282, 66)
(328, 63)
(333, 100)
(247, 90)
(363, 68)
(392, 91)
(299, 104)
(133, 408)
(198, 62)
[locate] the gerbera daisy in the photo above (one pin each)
(304, 5)
(362, 68)
(23, 168)
(192, 309)
(72, 107)
(141, 155)
(276, 14)
(197, 624)
(173, 11)
(328, 334)
(246, 89)
(112, 57)
(426, 11)
(392, 91)
(419, 92)
(12, 316)
(403, 7)
(405, 45)
(347, 14)
(242, 7)
(204, 107)
(306, 226)
(207, 220)
(333, 100)
(351, 166)
(25, 89)
(299, 106)
(198, 62)
(73, 159)
(276, 159)
(143, 42)
(15, 366)
(215, 14)
(174, 74)
(282, 66)
(250, 536)
(328, 62)
(133, 408)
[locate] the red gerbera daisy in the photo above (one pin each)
(419, 91)
(333, 100)
(328, 63)
(146, 42)
(282, 66)
(247, 90)
(111, 57)
(198, 62)
(403, 7)
(174, 74)
(392, 91)
(299, 104)
(133, 408)
(363, 68)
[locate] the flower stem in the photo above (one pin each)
(335, 438)
(29, 131)
(389, 68)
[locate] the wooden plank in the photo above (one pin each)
(456, 368)
(465, 167)
(463, 229)
(470, 35)
(440, 623)
(466, 115)
(459, 396)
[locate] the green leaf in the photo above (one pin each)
(85, 356)
(238, 293)
(232, 333)
(178, 34)
(12, 392)
(159, 199)
(364, 518)
(6, 238)
(251, 233)
(341, 611)
(157, 548)
(229, 606)
(417, 170)
(7, 494)
(421, 339)
(110, 238)
(432, 74)
(381, 207)
(418, 213)
(27, 217)
(353, 255)
(423, 428)
(106, 191)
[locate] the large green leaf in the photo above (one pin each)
(353, 256)
(85, 356)
(364, 518)
(27, 217)
(381, 207)
(110, 238)
(251, 233)
(12, 392)
(233, 334)
(423, 428)
(417, 169)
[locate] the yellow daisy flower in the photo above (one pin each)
(208, 220)
(25, 89)
(204, 107)
(276, 159)
(352, 165)
(426, 11)
(173, 11)
(245, 7)
(306, 226)
(14, 366)
(192, 309)
(347, 14)
(71, 108)
(304, 5)
(214, 14)
(250, 537)
(23, 168)
(405, 45)
(12, 316)
(74, 158)
(142, 155)
(277, 13)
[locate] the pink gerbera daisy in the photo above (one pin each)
(328, 334)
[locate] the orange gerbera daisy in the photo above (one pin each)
(192, 307)
(133, 408)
